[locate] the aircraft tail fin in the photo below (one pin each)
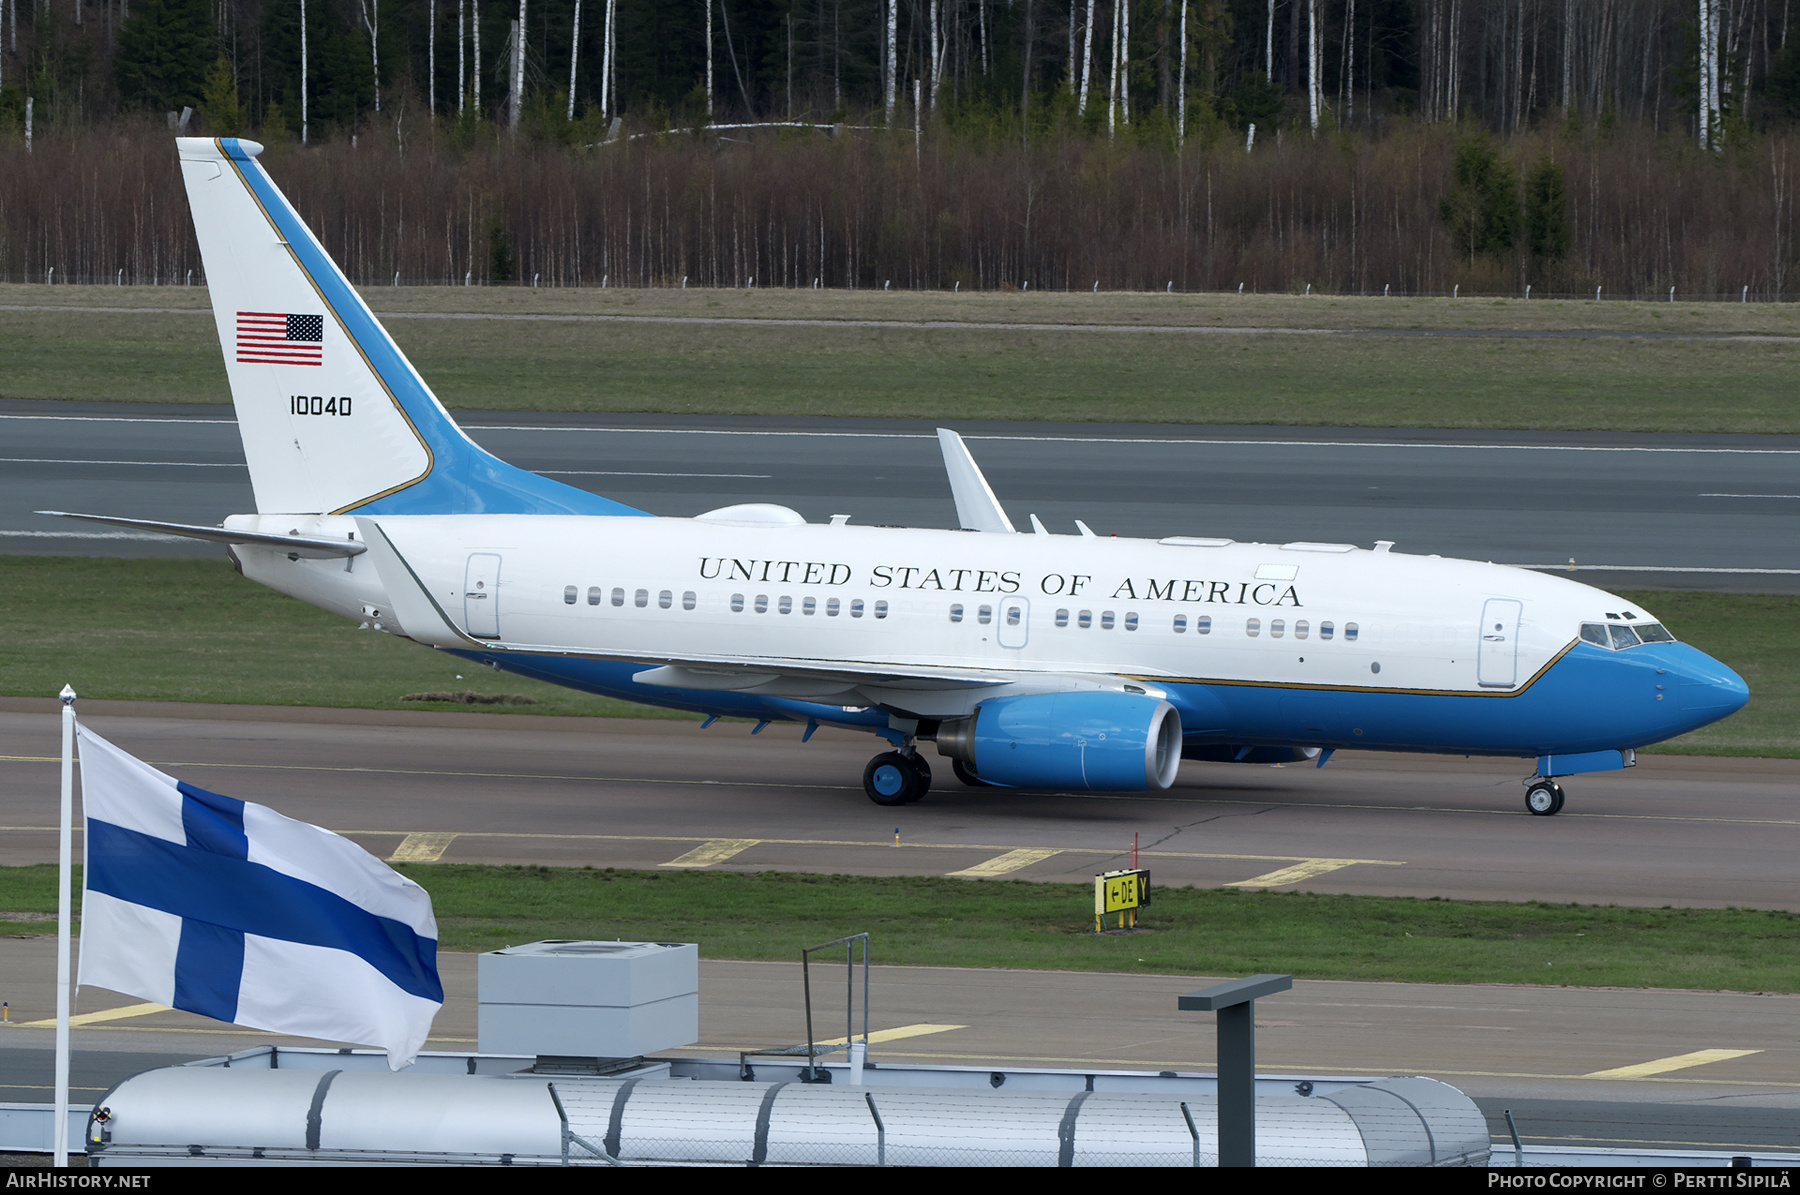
(333, 416)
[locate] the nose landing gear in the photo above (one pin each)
(1544, 798)
(897, 778)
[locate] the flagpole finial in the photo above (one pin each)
(67, 695)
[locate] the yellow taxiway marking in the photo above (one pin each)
(94, 1018)
(1675, 1062)
(421, 848)
(861, 842)
(1011, 861)
(1305, 870)
(904, 1031)
(716, 850)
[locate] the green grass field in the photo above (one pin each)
(932, 921)
(838, 368)
(192, 630)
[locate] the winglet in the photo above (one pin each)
(976, 507)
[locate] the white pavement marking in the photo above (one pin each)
(1750, 495)
(1675, 1062)
(421, 848)
(50, 460)
(718, 850)
(1011, 861)
(1304, 870)
(137, 535)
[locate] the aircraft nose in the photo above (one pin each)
(1707, 687)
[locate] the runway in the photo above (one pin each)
(486, 788)
(1674, 511)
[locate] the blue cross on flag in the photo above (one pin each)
(228, 909)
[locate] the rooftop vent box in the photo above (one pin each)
(589, 999)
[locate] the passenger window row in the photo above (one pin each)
(784, 604)
(641, 599)
(1203, 624)
(1279, 627)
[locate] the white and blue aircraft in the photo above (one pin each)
(1030, 660)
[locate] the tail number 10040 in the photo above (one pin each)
(314, 404)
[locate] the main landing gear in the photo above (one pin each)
(897, 778)
(1544, 798)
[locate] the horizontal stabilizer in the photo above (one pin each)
(976, 507)
(311, 547)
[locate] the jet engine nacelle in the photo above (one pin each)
(1108, 742)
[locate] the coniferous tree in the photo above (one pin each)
(1547, 211)
(1482, 209)
(164, 51)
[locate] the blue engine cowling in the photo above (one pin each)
(1107, 742)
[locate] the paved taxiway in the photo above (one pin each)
(1719, 512)
(494, 788)
(1643, 1069)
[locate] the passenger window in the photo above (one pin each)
(594, 595)
(1012, 616)
(831, 608)
(1181, 624)
(1325, 630)
(984, 615)
(1131, 620)
(1253, 628)
(762, 603)
(1062, 618)
(856, 608)
(1203, 625)
(1276, 627)
(1106, 620)
(880, 609)
(618, 598)
(1300, 629)
(1624, 637)
(643, 598)
(665, 599)
(569, 595)
(956, 613)
(786, 604)
(1085, 618)
(1595, 633)
(737, 603)
(809, 606)
(1350, 632)
(688, 600)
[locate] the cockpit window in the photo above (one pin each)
(1619, 636)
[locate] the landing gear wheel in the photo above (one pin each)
(1544, 798)
(965, 775)
(892, 779)
(924, 771)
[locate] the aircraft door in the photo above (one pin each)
(1015, 621)
(481, 596)
(1498, 666)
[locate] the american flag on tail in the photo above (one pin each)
(276, 338)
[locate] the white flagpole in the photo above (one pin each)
(60, 1128)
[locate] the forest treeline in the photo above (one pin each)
(1418, 208)
(1400, 146)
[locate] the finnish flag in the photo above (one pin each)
(228, 909)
